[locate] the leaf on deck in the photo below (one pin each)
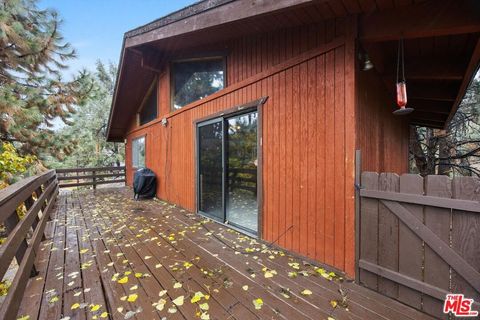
(306, 292)
(179, 301)
(258, 303)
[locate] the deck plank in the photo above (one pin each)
(55, 273)
(73, 286)
(101, 237)
(95, 292)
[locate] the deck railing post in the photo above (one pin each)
(38, 193)
(94, 180)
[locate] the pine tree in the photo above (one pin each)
(88, 130)
(33, 93)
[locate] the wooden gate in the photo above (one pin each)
(419, 238)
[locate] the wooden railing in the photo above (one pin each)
(38, 195)
(419, 238)
(77, 177)
(243, 178)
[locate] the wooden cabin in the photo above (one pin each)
(251, 112)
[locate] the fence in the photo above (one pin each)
(420, 238)
(90, 176)
(38, 194)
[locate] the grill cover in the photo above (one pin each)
(144, 184)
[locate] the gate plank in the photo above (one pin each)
(369, 230)
(440, 247)
(388, 235)
(410, 246)
(466, 233)
(437, 271)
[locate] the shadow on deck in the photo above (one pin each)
(107, 256)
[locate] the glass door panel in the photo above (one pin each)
(241, 175)
(210, 167)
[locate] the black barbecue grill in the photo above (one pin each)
(144, 184)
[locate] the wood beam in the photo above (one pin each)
(428, 68)
(426, 123)
(431, 92)
(440, 107)
(467, 79)
(424, 19)
(425, 115)
(223, 14)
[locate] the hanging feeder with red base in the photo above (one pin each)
(401, 84)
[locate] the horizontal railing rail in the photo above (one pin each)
(36, 196)
(79, 177)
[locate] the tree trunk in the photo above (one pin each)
(417, 152)
(444, 152)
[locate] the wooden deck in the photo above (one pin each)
(112, 257)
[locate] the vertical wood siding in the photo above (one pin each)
(308, 140)
(381, 136)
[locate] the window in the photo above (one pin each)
(148, 111)
(138, 152)
(195, 79)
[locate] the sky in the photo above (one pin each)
(95, 28)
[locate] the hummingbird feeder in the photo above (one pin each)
(401, 83)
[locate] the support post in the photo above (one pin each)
(358, 172)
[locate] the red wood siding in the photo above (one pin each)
(381, 136)
(308, 133)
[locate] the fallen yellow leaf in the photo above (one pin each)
(94, 307)
(198, 295)
(161, 293)
(306, 292)
(178, 301)
(258, 303)
(132, 297)
(123, 280)
(160, 304)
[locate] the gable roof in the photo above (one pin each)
(451, 27)
(195, 19)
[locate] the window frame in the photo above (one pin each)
(153, 86)
(222, 57)
(144, 137)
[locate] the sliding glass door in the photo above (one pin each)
(227, 170)
(241, 200)
(210, 169)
